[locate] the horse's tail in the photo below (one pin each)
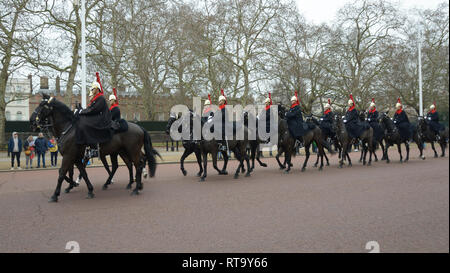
(150, 153)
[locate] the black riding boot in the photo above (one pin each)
(92, 151)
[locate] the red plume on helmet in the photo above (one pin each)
(398, 100)
(115, 94)
(373, 100)
(209, 98)
(351, 97)
(223, 94)
(270, 98)
(98, 80)
(296, 95)
(329, 101)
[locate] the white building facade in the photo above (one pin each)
(17, 98)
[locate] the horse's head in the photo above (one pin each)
(39, 118)
(281, 111)
(362, 115)
(421, 123)
(172, 118)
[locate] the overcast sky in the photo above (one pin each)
(324, 11)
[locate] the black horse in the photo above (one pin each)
(286, 143)
(376, 140)
(392, 137)
(63, 126)
(427, 135)
(346, 141)
(191, 146)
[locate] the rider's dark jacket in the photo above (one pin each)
(118, 124)
(94, 125)
(433, 121)
(325, 123)
(294, 120)
(402, 122)
(352, 123)
(372, 118)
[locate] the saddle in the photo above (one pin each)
(119, 126)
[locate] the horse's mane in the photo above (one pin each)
(63, 109)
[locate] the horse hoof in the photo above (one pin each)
(135, 192)
(105, 187)
(67, 190)
(247, 175)
(320, 169)
(286, 171)
(223, 173)
(264, 165)
(303, 170)
(376, 159)
(315, 166)
(53, 199)
(328, 163)
(282, 168)
(442, 155)
(350, 164)
(90, 196)
(369, 164)
(184, 172)
(128, 187)
(202, 179)
(364, 163)
(435, 156)
(423, 158)
(199, 174)
(236, 176)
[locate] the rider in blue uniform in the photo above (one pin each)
(295, 119)
(401, 121)
(433, 121)
(326, 121)
(372, 118)
(354, 127)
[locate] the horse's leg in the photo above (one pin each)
(362, 155)
(342, 153)
(248, 165)
(253, 148)
(138, 164)
(386, 152)
(287, 159)
(400, 151)
(364, 151)
(205, 162)
(238, 157)
(214, 161)
(83, 174)
(114, 166)
(69, 179)
(277, 157)
(258, 154)
(198, 155)
(407, 151)
(307, 156)
(443, 146)
(434, 149)
(185, 154)
(62, 173)
(225, 163)
(130, 170)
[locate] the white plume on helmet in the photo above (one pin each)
(432, 106)
(222, 98)
(207, 102)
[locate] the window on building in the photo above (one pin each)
(19, 115)
(137, 116)
(161, 116)
(8, 115)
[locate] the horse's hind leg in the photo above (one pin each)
(198, 155)
(138, 164)
(69, 180)
(240, 158)
(83, 174)
(205, 169)
(277, 157)
(434, 149)
(399, 148)
(225, 163)
(185, 154)
(258, 154)
(407, 152)
(62, 173)
(307, 156)
(114, 166)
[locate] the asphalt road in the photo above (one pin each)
(403, 207)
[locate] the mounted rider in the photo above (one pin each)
(222, 103)
(326, 121)
(433, 121)
(94, 125)
(207, 111)
(372, 118)
(401, 121)
(352, 123)
(119, 124)
(294, 119)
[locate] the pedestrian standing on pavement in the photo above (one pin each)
(15, 148)
(28, 148)
(41, 148)
(53, 148)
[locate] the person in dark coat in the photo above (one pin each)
(326, 121)
(119, 124)
(41, 146)
(352, 124)
(268, 103)
(402, 122)
(433, 121)
(207, 111)
(372, 118)
(94, 125)
(294, 119)
(15, 148)
(222, 104)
